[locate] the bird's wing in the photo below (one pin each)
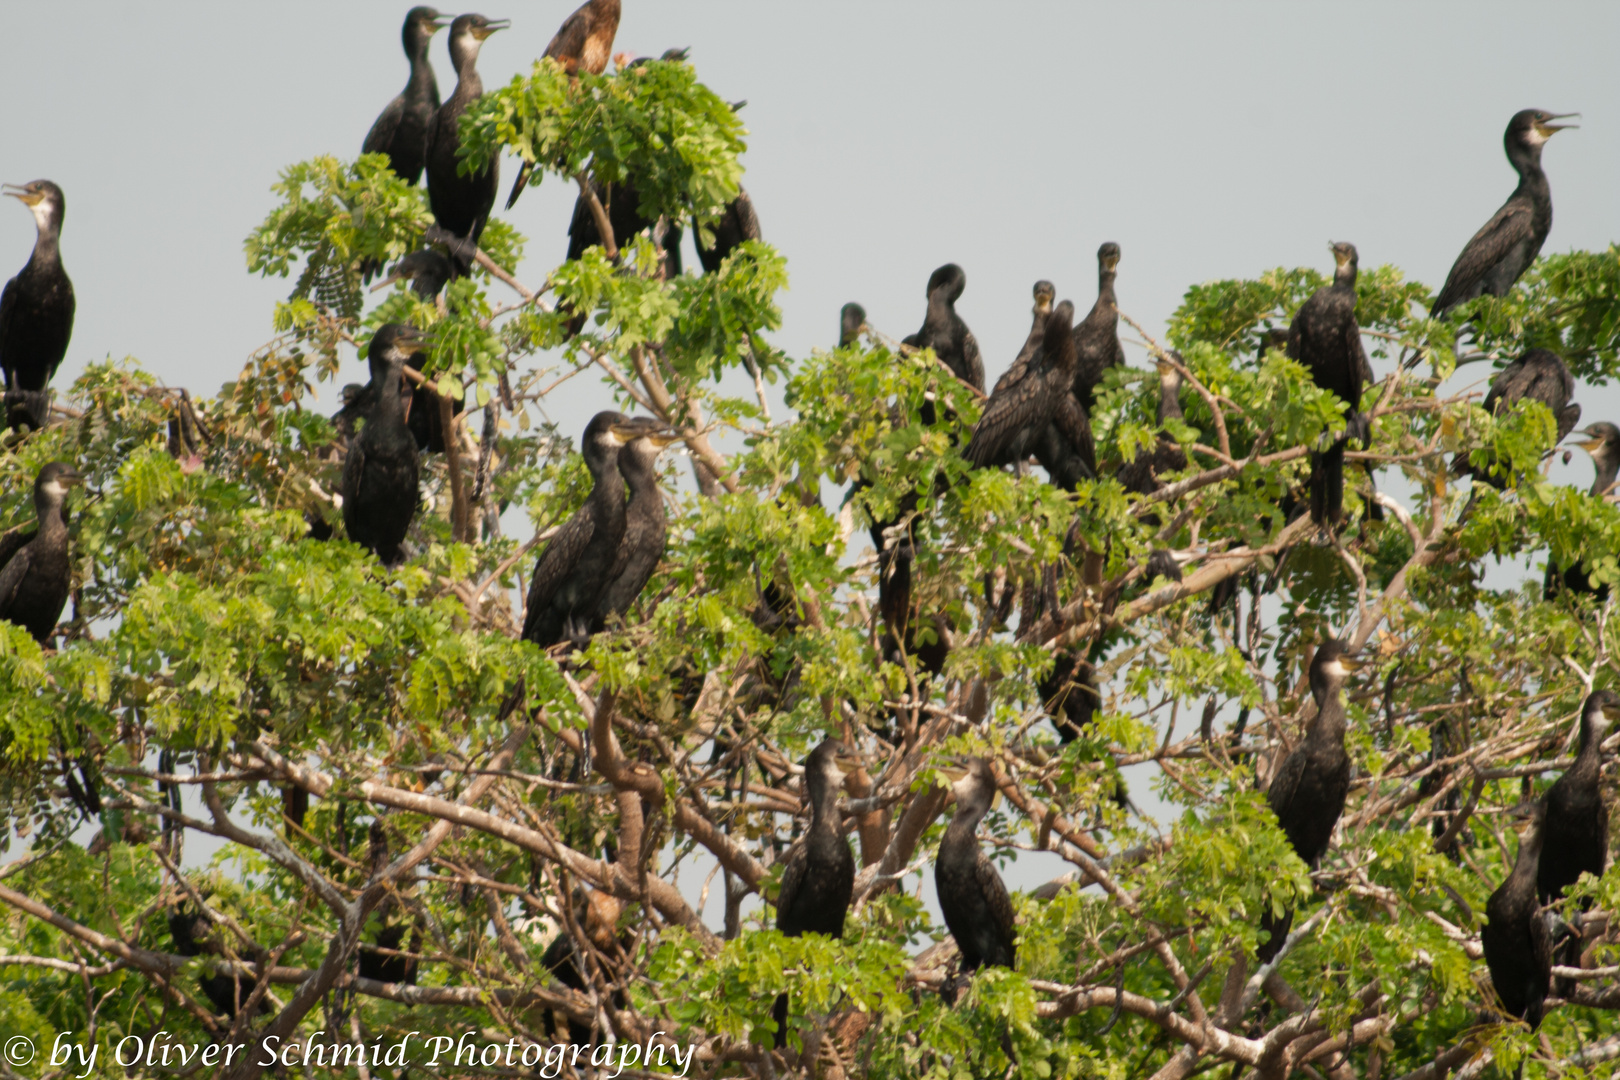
(557, 561)
(569, 43)
(792, 878)
(1511, 226)
(381, 135)
(1285, 785)
(1071, 419)
(354, 469)
(995, 892)
(13, 541)
(8, 305)
(747, 218)
(1005, 415)
(974, 376)
(1568, 417)
(16, 569)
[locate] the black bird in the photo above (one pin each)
(1516, 937)
(597, 916)
(738, 222)
(572, 572)
(584, 42)
(36, 569)
(1603, 443)
(944, 331)
(1038, 412)
(1071, 694)
(1326, 338)
(1506, 245)
(1142, 473)
(1045, 294)
(1576, 831)
(646, 526)
(428, 271)
(401, 131)
(190, 933)
(461, 204)
(622, 202)
(818, 874)
(1539, 375)
(972, 896)
(36, 311)
(1096, 339)
(381, 468)
(1307, 793)
(374, 963)
(851, 318)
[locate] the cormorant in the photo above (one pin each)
(1575, 833)
(384, 967)
(1045, 293)
(1038, 412)
(1308, 790)
(189, 932)
(818, 874)
(1603, 443)
(597, 915)
(1539, 375)
(972, 896)
(1096, 339)
(944, 331)
(623, 205)
(36, 570)
(572, 572)
(428, 270)
(1506, 245)
(850, 320)
(738, 222)
(36, 311)
(583, 42)
(461, 204)
(1141, 474)
(401, 131)
(1516, 937)
(1071, 694)
(1326, 338)
(646, 526)
(380, 470)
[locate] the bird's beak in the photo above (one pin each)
(1111, 261)
(1546, 129)
(69, 479)
(412, 343)
(848, 763)
(1612, 712)
(482, 32)
(22, 194)
(1352, 663)
(954, 772)
(634, 429)
(664, 438)
(387, 281)
(442, 22)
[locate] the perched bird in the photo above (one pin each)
(738, 222)
(597, 916)
(1539, 375)
(972, 896)
(1141, 474)
(401, 130)
(461, 204)
(1506, 245)
(572, 572)
(36, 569)
(428, 271)
(944, 331)
(1038, 414)
(1516, 937)
(1071, 694)
(1603, 443)
(851, 319)
(584, 42)
(1096, 339)
(646, 526)
(1326, 338)
(818, 874)
(622, 202)
(1575, 833)
(190, 933)
(381, 469)
(36, 311)
(1308, 790)
(376, 960)
(1045, 294)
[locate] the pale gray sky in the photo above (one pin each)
(1208, 140)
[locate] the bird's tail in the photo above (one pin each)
(522, 181)
(1278, 928)
(779, 1014)
(1327, 485)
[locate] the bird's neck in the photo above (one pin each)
(939, 307)
(823, 802)
(1105, 287)
(1328, 725)
(389, 408)
(1169, 398)
(1527, 864)
(1344, 277)
(469, 87)
(52, 522)
(608, 492)
(1591, 748)
(966, 822)
(1526, 161)
(1607, 469)
(46, 249)
(422, 80)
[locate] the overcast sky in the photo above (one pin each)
(1208, 140)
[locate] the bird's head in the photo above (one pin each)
(973, 783)
(395, 343)
(421, 23)
(950, 278)
(851, 321)
(42, 197)
(1602, 709)
(1045, 294)
(1108, 257)
(478, 26)
(1332, 666)
(52, 484)
(1344, 255)
(1602, 440)
(831, 761)
(1533, 127)
(429, 268)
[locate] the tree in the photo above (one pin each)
(413, 806)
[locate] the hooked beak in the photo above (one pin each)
(1546, 129)
(69, 479)
(1351, 663)
(442, 22)
(387, 281)
(664, 438)
(23, 194)
(482, 32)
(1612, 712)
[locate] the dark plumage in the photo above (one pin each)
(851, 319)
(972, 896)
(1506, 245)
(1071, 694)
(1142, 473)
(622, 202)
(190, 932)
(584, 42)
(1603, 443)
(1538, 375)
(1308, 790)
(428, 271)
(944, 331)
(1516, 937)
(381, 469)
(646, 526)
(1038, 413)
(460, 203)
(401, 131)
(1045, 294)
(36, 567)
(738, 222)
(1575, 834)
(373, 963)
(597, 916)
(36, 311)
(572, 572)
(818, 875)
(1096, 339)
(1326, 338)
